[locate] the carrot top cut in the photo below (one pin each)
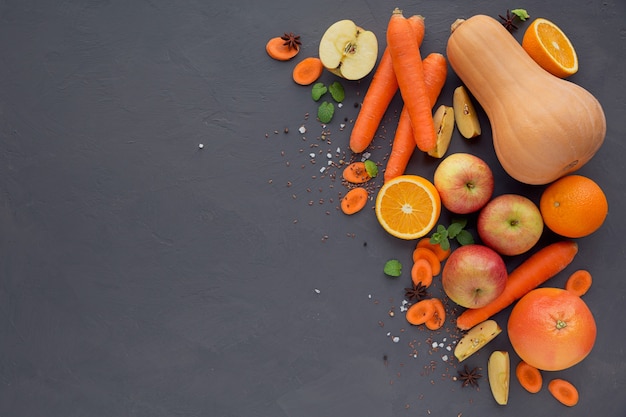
(579, 282)
(564, 391)
(529, 377)
(356, 173)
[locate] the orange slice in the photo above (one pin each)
(550, 48)
(408, 206)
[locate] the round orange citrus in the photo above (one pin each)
(551, 329)
(546, 43)
(408, 206)
(573, 206)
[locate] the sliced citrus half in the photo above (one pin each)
(408, 206)
(546, 43)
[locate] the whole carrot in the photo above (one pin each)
(379, 94)
(409, 70)
(531, 273)
(403, 146)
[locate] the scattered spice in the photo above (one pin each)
(291, 41)
(416, 292)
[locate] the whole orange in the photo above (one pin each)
(551, 329)
(573, 206)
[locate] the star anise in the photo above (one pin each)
(416, 292)
(291, 41)
(470, 377)
(507, 21)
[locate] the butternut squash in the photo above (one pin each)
(543, 127)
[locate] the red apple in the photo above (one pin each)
(464, 182)
(510, 224)
(474, 275)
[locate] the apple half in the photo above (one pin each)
(444, 126)
(348, 51)
(465, 113)
(499, 372)
(477, 337)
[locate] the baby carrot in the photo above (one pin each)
(354, 200)
(403, 146)
(380, 92)
(579, 282)
(536, 270)
(564, 391)
(307, 71)
(409, 70)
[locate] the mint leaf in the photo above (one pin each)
(371, 168)
(454, 229)
(445, 244)
(318, 90)
(521, 14)
(325, 112)
(393, 268)
(337, 92)
(464, 238)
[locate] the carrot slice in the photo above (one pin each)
(423, 253)
(422, 273)
(420, 312)
(277, 49)
(564, 391)
(307, 71)
(437, 320)
(579, 282)
(354, 200)
(435, 247)
(529, 377)
(356, 173)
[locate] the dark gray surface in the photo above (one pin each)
(143, 276)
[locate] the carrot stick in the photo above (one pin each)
(564, 391)
(381, 91)
(529, 377)
(435, 73)
(409, 70)
(531, 273)
(579, 282)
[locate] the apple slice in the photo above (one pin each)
(444, 126)
(348, 50)
(465, 113)
(477, 337)
(499, 372)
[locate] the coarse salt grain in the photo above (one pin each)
(329, 155)
(340, 105)
(317, 291)
(434, 345)
(201, 145)
(322, 169)
(312, 154)
(302, 129)
(396, 339)
(444, 358)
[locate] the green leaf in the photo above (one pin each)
(325, 112)
(371, 168)
(464, 238)
(337, 92)
(454, 229)
(445, 244)
(521, 14)
(393, 268)
(318, 90)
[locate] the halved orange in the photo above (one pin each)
(546, 43)
(408, 206)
